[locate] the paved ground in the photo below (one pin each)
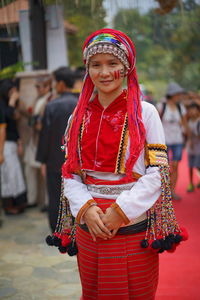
(29, 269)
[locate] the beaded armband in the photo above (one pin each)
(163, 231)
(155, 155)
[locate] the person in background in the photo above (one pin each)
(79, 74)
(193, 142)
(36, 186)
(2, 132)
(172, 114)
(54, 122)
(149, 97)
(13, 189)
(2, 141)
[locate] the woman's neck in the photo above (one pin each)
(107, 98)
(172, 104)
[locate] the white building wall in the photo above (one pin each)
(56, 38)
(25, 38)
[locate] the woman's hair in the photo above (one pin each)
(5, 86)
(119, 44)
(194, 105)
(44, 80)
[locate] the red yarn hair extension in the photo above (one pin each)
(71, 165)
(134, 110)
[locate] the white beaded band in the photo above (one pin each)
(103, 47)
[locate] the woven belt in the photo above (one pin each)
(135, 228)
(108, 190)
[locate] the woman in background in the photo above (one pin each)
(13, 189)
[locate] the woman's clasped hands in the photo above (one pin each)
(102, 225)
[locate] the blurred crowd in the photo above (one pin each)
(30, 169)
(30, 172)
(179, 111)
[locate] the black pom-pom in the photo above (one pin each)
(62, 249)
(57, 241)
(178, 238)
(161, 243)
(171, 237)
(144, 244)
(72, 249)
(161, 250)
(167, 244)
(49, 240)
(156, 244)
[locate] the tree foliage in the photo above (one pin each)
(167, 46)
(88, 16)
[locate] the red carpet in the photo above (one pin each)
(180, 271)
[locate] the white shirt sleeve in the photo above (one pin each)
(147, 189)
(77, 193)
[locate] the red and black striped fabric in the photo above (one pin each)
(116, 269)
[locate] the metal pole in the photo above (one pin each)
(38, 34)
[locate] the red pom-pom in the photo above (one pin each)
(184, 233)
(57, 234)
(150, 245)
(30, 110)
(65, 240)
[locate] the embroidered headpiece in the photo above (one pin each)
(106, 43)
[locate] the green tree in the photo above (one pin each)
(167, 46)
(152, 56)
(87, 15)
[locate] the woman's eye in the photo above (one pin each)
(95, 65)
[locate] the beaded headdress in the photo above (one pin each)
(106, 43)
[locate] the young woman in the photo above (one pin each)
(172, 114)
(193, 142)
(115, 171)
(13, 189)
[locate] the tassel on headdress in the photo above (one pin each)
(117, 43)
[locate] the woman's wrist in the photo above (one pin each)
(120, 212)
(84, 208)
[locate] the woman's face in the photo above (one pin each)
(106, 72)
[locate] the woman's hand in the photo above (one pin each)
(20, 148)
(92, 218)
(43, 170)
(13, 97)
(112, 220)
(1, 158)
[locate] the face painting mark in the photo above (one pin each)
(118, 74)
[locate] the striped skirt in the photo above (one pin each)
(12, 178)
(116, 269)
